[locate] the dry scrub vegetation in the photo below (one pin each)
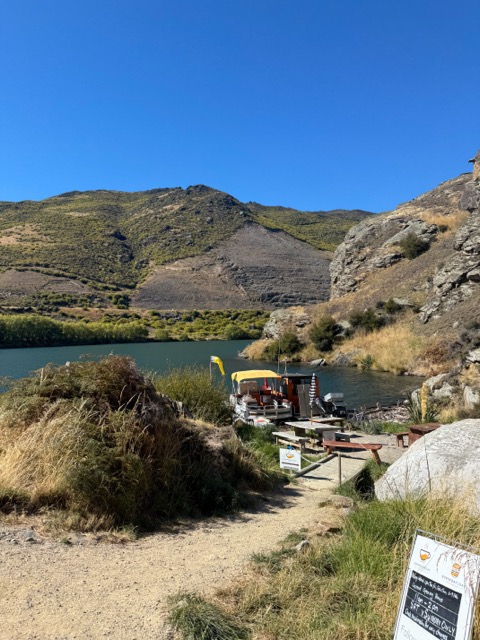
(95, 445)
(396, 348)
(451, 222)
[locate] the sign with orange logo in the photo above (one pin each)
(439, 592)
(290, 459)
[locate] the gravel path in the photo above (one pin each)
(90, 590)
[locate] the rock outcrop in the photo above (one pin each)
(282, 320)
(457, 280)
(444, 462)
(454, 274)
(375, 243)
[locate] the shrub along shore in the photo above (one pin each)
(94, 445)
(35, 330)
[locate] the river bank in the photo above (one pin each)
(360, 388)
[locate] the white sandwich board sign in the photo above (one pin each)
(290, 459)
(439, 592)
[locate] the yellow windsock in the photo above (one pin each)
(217, 360)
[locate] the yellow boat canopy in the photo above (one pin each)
(238, 376)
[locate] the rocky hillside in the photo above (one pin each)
(443, 279)
(405, 294)
(194, 247)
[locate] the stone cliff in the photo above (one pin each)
(375, 244)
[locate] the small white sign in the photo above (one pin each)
(439, 592)
(290, 459)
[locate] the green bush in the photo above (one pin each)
(414, 408)
(367, 320)
(413, 246)
(367, 362)
(323, 333)
(286, 345)
(162, 335)
(392, 307)
(120, 300)
(234, 332)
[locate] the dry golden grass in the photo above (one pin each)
(255, 350)
(97, 447)
(347, 586)
(309, 352)
(395, 348)
(453, 221)
(39, 457)
(470, 376)
(22, 234)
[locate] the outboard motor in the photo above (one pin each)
(335, 405)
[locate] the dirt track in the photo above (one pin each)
(88, 590)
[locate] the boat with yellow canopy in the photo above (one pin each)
(257, 397)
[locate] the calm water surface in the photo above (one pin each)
(360, 388)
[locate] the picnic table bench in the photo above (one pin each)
(401, 438)
(329, 420)
(329, 445)
(415, 431)
(282, 437)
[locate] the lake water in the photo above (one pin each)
(360, 388)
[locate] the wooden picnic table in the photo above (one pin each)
(329, 420)
(374, 448)
(415, 432)
(314, 430)
(283, 437)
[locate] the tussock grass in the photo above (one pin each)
(395, 347)
(95, 441)
(205, 397)
(256, 350)
(452, 221)
(262, 443)
(198, 619)
(347, 586)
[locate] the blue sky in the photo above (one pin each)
(308, 103)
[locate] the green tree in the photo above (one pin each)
(286, 345)
(234, 332)
(413, 246)
(323, 333)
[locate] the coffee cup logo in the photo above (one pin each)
(424, 554)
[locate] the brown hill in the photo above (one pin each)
(254, 268)
(194, 247)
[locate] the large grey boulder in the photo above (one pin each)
(444, 462)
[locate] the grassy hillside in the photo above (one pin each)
(109, 239)
(324, 230)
